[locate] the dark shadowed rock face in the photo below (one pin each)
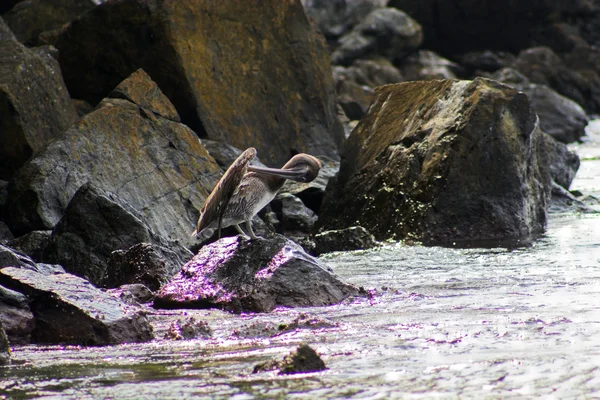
(256, 275)
(16, 316)
(150, 163)
(4, 347)
(217, 82)
(353, 238)
(35, 106)
(68, 309)
(442, 161)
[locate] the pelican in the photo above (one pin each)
(245, 189)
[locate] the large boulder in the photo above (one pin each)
(92, 228)
(29, 18)
(442, 161)
(384, 31)
(130, 146)
(35, 106)
(257, 275)
(68, 309)
(245, 73)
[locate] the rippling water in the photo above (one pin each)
(501, 322)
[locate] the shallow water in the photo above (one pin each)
(500, 322)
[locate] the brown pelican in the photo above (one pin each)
(245, 189)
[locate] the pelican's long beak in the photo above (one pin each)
(293, 173)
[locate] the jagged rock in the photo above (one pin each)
(542, 66)
(69, 310)
(442, 161)
(303, 359)
(188, 328)
(426, 65)
(34, 103)
(16, 316)
(562, 162)
(135, 293)
(93, 227)
(293, 214)
(312, 193)
(11, 258)
(4, 347)
(282, 67)
(384, 31)
(32, 244)
(336, 17)
(257, 275)
(564, 201)
(560, 117)
(353, 238)
(150, 264)
(31, 17)
(150, 163)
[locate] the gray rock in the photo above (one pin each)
(440, 161)
(11, 258)
(560, 117)
(151, 164)
(34, 103)
(149, 264)
(225, 154)
(93, 227)
(16, 316)
(564, 201)
(188, 328)
(426, 65)
(293, 215)
(257, 276)
(486, 61)
(5, 233)
(135, 293)
(4, 347)
(69, 310)
(349, 239)
(303, 359)
(563, 163)
(385, 32)
(32, 244)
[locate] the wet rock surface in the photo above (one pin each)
(158, 168)
(429, 173)
(219, 83)
(303, 359)
(258, 275)
(188, 328)
(69, 310)
(34, 102)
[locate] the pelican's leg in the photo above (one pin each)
(241, 232)
(249, 227)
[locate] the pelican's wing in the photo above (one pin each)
(216, 203)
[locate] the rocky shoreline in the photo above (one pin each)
(117, 119)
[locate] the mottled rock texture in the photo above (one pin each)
(442, 161)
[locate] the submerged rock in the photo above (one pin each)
(441, 161)
(135, 151)
(16, 316)
(272, 90)
(69, 310)
(188, 328)
(257, 275)
(34, 103)
(303, 359)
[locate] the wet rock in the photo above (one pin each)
(94, 226)
(257, 275)
(34, 103)
(303, 359)
(563, 163)
(135, 293)
(282, 66)
(151, 164)
(312, 193)
(441, 161)
(560, 117)
(4, 347)
(150, 264)
(16, 316)
(426, 65)
(385, 32)
(349, 239)
(542, 66)
(336, 17)
(188, 328)
(69, 310)
(32, 244)
(292, 214)
(564, 201)
(31, 17)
